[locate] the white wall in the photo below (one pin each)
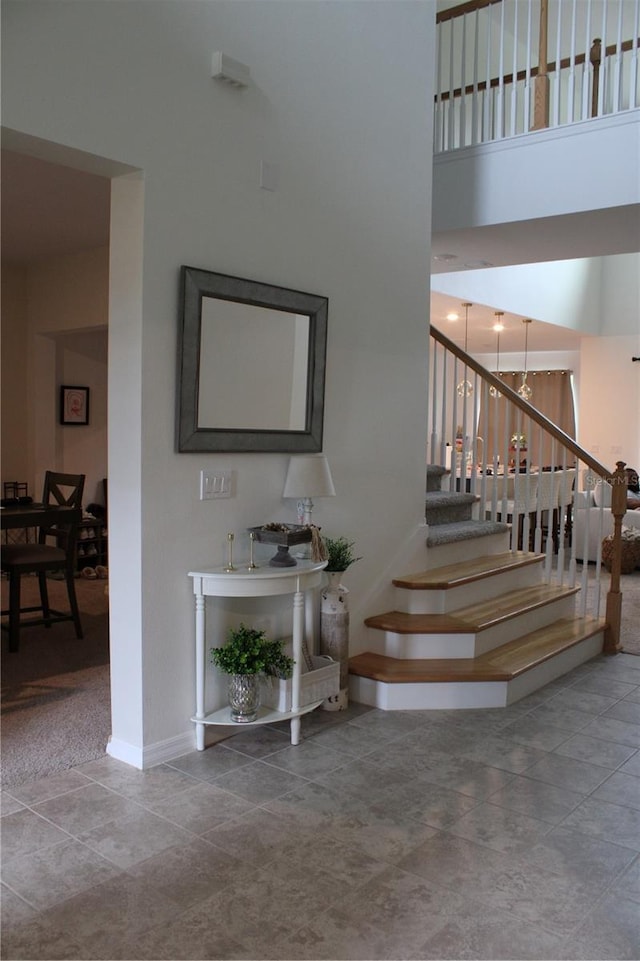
(620, 296)
(54, 322)
(563, 292)
(609, 407)
(130, 82)
(17, 464)
(561, 169)
(68, 307)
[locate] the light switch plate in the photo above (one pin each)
(215, 484)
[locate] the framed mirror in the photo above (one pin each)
(251, 366)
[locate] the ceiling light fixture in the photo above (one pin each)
(524, 389)
(465, 388)
(498, 326)
(478, 264)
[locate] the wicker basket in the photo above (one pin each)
(629, 556)
(316, 685)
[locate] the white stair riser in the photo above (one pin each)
(445, 645)
(470, 694)
(445, 554)
(421, 697)
(443, 601)
(412, 646)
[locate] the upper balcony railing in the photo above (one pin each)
(507, 67)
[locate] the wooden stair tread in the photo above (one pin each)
(502, 664)
(454, 575)
(475, 617)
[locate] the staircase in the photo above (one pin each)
(478, 627)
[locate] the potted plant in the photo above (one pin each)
(340, 554)
(247, 655)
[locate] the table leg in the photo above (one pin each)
(200, 669)
(298, 631)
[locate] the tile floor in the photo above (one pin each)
(478, 834)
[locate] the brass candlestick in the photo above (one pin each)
(229, 568)
(251, 566)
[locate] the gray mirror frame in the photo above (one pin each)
(195, 284)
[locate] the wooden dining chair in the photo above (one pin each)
(44, 557)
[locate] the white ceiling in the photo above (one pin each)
(483, 339)
(49, 210)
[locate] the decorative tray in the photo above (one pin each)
(284, 536)
(287, 536)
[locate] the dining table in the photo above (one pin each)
(37, 515)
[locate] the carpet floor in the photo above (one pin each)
(56, 706)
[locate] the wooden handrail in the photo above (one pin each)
(463, 8)
(566, 62)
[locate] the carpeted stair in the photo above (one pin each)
(448, 513)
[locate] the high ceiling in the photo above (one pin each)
(483, 339)
(49, 210)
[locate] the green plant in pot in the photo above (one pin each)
(246, 657)
(340, 554)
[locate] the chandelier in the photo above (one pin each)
(524, 389)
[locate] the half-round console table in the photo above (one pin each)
(260, 582)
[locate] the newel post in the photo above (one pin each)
(541, 83)
(618, 481)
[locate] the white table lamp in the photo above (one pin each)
(308, 476)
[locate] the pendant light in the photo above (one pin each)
(465, 388)
(524, 389)
(498, 326)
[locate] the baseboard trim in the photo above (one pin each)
(146, 757)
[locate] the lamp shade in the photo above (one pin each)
(309, 476)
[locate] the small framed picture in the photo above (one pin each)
(74, 405)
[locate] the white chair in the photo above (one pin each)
(520, 507)
(547, 509)
(566, 485)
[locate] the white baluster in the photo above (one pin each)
(527, 81)
(462, 136)
(617, 74)
(604, 66)
(586, 76)
(633, 65)
(557, 84)
(474, 95)
(514, 71)
(450, 137)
